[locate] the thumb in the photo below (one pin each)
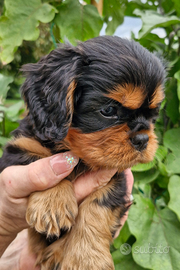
(91, 181)
(20, 181)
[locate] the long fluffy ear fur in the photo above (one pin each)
(48, 92)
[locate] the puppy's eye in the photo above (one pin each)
(110, 112)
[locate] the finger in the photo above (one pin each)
(129, 184)
(90, 181)
(20, 181)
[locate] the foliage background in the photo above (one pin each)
(31, 28)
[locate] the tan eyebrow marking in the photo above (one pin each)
(157, 97)
(129, 96)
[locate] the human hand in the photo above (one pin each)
(15, 191)
(18, 182)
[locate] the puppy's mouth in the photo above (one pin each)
(114, 147)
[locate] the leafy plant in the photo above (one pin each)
(30, 29)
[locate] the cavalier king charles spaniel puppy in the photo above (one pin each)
(99, 99)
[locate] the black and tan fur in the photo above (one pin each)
(100, 100)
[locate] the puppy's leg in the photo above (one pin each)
(51, 210)
(86, 246)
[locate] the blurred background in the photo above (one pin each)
(30, 29)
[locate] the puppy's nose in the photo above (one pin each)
(140, 141)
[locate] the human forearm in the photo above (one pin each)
(5, 240)
(7, 234)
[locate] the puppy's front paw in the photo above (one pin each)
(84, 255)
(60, 256)
(51, 257)
(54, 209)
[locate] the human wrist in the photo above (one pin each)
(6, 235)
(5, 241)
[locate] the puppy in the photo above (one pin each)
(100, 100)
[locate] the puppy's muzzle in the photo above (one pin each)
(140, 141)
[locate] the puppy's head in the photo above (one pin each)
(101, 97)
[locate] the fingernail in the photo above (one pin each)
(131, 198)
(63, 162)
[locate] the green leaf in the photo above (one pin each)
(123, 236)
(137, 4)
(162, 181)
(157, 235)
(172, 163)
(162, 168)
(3, 140)
(144, 167)
(177, 77)
(124, 262)
(161, 153)
(152, 19)
(113, 12)
(153, 42)
(10, 126)
(172, 108)
(144, 188)
(4, 86)
(1, 152)
(146, 176)
(174, 191)
(77, 21)
(13, 111)
(167, 6)
(172, 141)
(20, 22)
(177, 6)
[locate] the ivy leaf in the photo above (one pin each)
(144, 167)
(153, 42)
(172, 108)
(158, 246)
(136, 4)
(123, 236)
(167, 6)
(4, 86)
(124, 262)
(174, 191)
(12, 112)
(177, 6)
(172, 141)
(113, 12)
(161, 153)
(152, 19)
(177, 77)
(1, 152)
(20, 22)
(146, 176)
(3, 140)
(172, 163)
(77, 21)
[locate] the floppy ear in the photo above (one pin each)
(48, 92)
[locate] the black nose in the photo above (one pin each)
(140, 141)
